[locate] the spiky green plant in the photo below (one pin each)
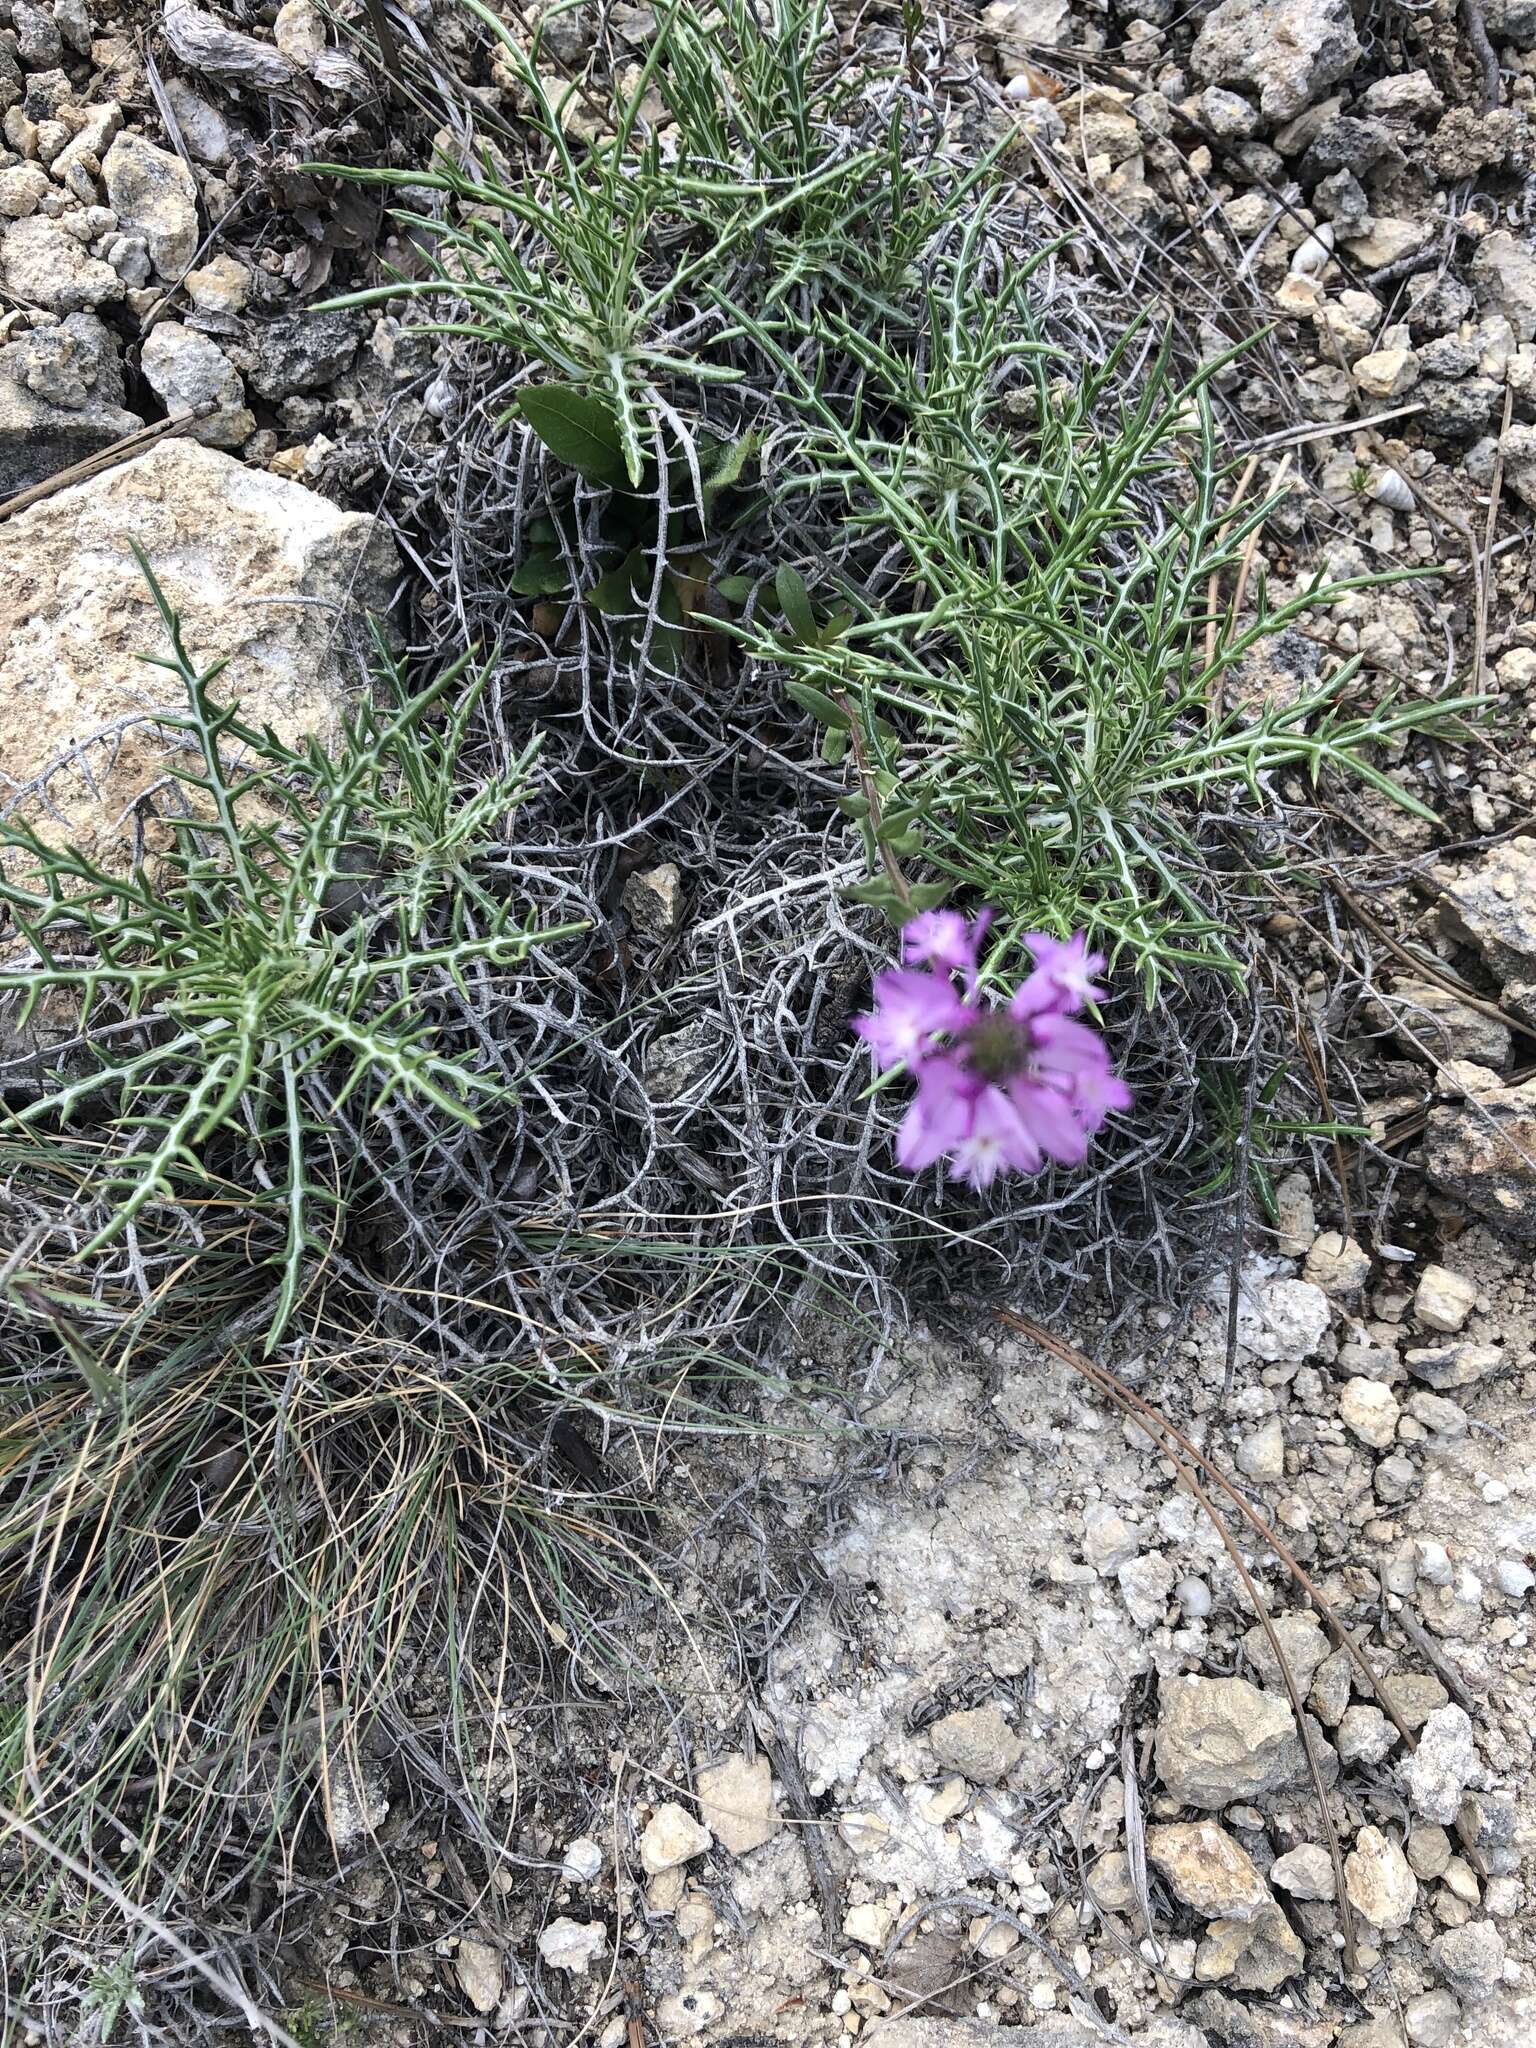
(216, 978)
(1049, 717)
(1042, 699)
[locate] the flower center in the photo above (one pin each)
(996, 1047)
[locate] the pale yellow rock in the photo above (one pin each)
(477, 1965)
(672, 1837)
(222, 285)
(1388, 373)
(1208, 1870)
(1380, 1885)
(736, 1803)
(233, 548)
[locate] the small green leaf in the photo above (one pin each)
(729, 464)
(927, 895)
(542, 575)
(795, 601)
(818, 704)
(734, 589)
(878, 894)
(578, 428)
(834, 745)
(614, 593)
(836, 626)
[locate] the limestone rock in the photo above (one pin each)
(477, 1965)
(979, 1744)
(220, 286)
(1381, 1887)
(870, 1924)
(1432, 2020)
(299, 32)
(1369, 1411)
(1443, 1300)
(1518, 449)
(90, 140)
(1431, 1020)
(1444, 1764)
(676, 1062)
(1208, 1870)
(1337, 1264)
(1446, 1367)
(1416, 1695)
(44, 266)
(736, 1803)
(1481, 1152)
(1387, 240)
(1289, 49)
(1295, 1217)
(1146, 1586)
(1303, 1643)
(1428, 1851)
(1306, 1872)
(154, 195)
(1492, 905)
(1364, 1735)
(356, 1801)
(1282, 1321)
(1407, 96)
(188, 373)
(61, 399)
(1471, 1959)
(581, 1860)
(1250, 1955)
(672, 1837)
(1504, 276)
(232, 548)
(1330, 1692)
(654, 900)
(1108, 1540)
(23, 187)
(1262, 1454)
(1220, 1739)
(565, 1944)
(1387, 373)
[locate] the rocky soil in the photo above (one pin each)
(974, 1725)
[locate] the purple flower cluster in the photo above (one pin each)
(998, 1087)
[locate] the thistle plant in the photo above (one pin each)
(562, 265)
(239, 989)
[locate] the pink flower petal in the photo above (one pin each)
(940, 1114)
(912, 1012)
(1051, 1123)
(1070, 965)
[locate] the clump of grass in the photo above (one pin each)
(270, 1476)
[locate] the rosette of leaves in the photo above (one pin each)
(279, 960)
(659, 569)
